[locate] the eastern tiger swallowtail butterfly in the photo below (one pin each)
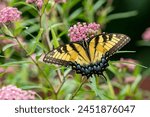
(90, 56)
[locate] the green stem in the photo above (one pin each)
(78, 89)
(59, 76)
(57, 92)
(47, 35)
(110, 86)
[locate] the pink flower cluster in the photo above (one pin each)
(146, 34)
(11, 92)
(83, 31)
(128, 66)
(60, 1)
(38, 3)
(9, 14)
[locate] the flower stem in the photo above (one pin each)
(78, 89)
(62, 83)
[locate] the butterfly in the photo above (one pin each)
(88, 57)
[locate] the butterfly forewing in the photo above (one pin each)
(122, 40)
(103, 43)
(67, 54)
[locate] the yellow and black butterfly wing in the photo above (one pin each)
(106, 43)
(67, 54)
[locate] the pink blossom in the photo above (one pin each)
(127, 64)
(11, 92)
(146, 34)
(9, 14)
(38, 3)
(83, 31)
(60, 1)
(129, 79)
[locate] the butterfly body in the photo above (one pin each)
(90, 56)
(96, 68)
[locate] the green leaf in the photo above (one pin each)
(36, 41)
(136, 83)
(2, 56)
(98, 4)
(15, 63)
(125, 90)
(41, 45)
(121, 15)
(24, 3)
(54, 40)
(95, 89)
(111, 90)
(56, 25)
(143, 43)
(75, 14)
(118, 52)
(31, 87)
(8, 46)
(32, 29)
(6, 31)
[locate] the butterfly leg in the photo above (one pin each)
(102, 75)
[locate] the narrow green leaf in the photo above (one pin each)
(95, 89)
(54, 40)
(36, 41)
(24, 3)
(6, 31)
(121, 15)
(67, 71)
(31, 87)
(98, 4)
(56, 25)
(32, 29)
(15, 63)
(111, 90)
(2, 56)
(8, 46)
(125, 90)
(136, 83)
(75, 14)
(118, 52)
(143, 43)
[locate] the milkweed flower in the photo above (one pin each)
(38, 3)
(9, 14)
(83, 31)
(11, 92)
(60, 1)
(146, 34)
